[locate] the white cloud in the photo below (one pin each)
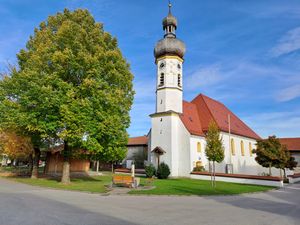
(203, 77)
(281, 124)
(290, 42)
(289, 93)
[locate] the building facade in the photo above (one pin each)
(178, 127)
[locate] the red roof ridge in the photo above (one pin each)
(203, 97)
(139, 140)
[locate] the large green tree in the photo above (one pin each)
(214, 149)
(268, 152)
(79, 86)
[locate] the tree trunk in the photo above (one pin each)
(112, 167)
(211, 174)
(214, 171)
(30, 163)
(284, 173)
(65, 178)
(270, 171)
(97, 166)
(35, 163)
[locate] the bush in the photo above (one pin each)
(150, 170)
(198, 169)
(163, 171)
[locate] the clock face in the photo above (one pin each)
(162, 65)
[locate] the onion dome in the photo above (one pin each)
(169, 45)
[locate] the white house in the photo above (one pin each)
(178, 127)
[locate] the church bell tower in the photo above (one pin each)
(169, 53)
(166, 126)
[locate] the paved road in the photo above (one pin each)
(23, 205)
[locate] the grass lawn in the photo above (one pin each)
(90, 184)
(180, 186)
(185, 186)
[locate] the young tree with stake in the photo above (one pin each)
(214, 149)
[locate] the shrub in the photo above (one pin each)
(198, 169)
(150, 170)
(163, 171)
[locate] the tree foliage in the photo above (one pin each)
(214, 149)
(15, 146)
(270, 153)
(74, 86)
(163, 171)
(267, 151)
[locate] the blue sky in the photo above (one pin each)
(244, 53)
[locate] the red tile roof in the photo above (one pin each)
(292, 144)
(198, 113)
(190, 119)
(142, 140)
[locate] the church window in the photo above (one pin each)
(250, 148)
(179, 80)
(232, 147)
(242, 149)
(162, 79)
(199, 147)
(162, 65)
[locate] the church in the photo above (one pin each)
(178, 127)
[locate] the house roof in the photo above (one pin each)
(292, 144)
(190, 119)
(198, 113)
(141, 140)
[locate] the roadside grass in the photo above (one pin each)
(185, 186)
(95, 184)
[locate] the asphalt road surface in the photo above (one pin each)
(21, 204)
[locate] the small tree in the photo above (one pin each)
(268, 153)
(163, 171)
(150, 170)
(285, 161)
(15, 146)
(291, 164)
(282, 159)
(214, 149)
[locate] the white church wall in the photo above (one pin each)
(242, 164)
(164, 134)
(183, 150)
(167, 99)
(195, 155)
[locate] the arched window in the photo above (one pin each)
(232, 147)
(242, 149)
(162, 79)
(199, 147)
(250, 149)
(179, 80)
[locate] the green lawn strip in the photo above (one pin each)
(184, 186)
(89, 184)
